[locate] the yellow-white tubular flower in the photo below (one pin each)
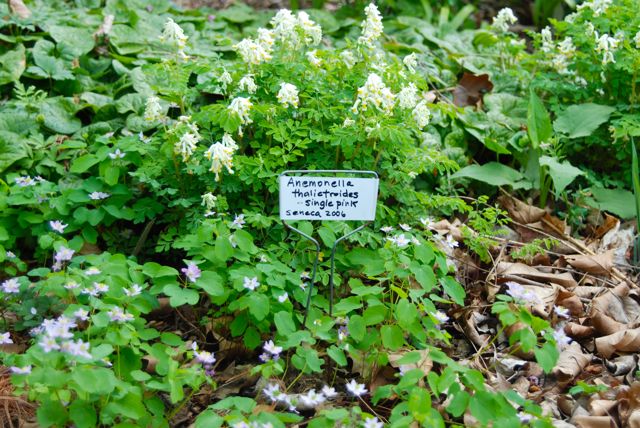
(174, 35)
(348, 122)
(566, 46)
(547, 39)
(209, 201)
(288, 95)
(229, 142)
(372, 26)
(312, 31)
(153, 109)
(220, 156)
(252, 52)
(591, 30)
(636, 39)
(186, 145)
(284, 26)
(411, 62)
(247, 84)
(408, 97)
(606, 45)
(313, 59)
(225, 79)
(348, 58)
(421, 114)
(503, 20)
(374, 92)
(241, 106)
(598, 6)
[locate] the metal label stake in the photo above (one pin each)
(327, 198)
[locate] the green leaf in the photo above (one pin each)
(581, 120)
(562, 173)
(83, 163)
(406, 313)
(47, 65)
(179, 296)
(337, 355)
(209, 419)
(419, 403)
(13, 148)
(357, 328)
(72, 41)
(617, 201)
(83, 414)
(284, 323)
(94, 380)
(111, 174)
(547, 356)
(453, 289)
(59, 115)
(51, 413)
(538, 121)
(392, 337)
(211, 282)
(635, 179)
(12, 65)
(259, 306)
(493, 173)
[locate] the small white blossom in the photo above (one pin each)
(441, 317)
(10, 255)
(11, 286)
(348, 122)
(271, 348)
(241, 107)
(356, 389)
(71, 285)
(404, 227)
(247, 84)
(25, 181)
(283, 297)
(606, 45)
(225, 79)
(81, 314)
(251, 283)
(399, 241)
(221, 156)
(174, 35)
(117, 314)
(305, 275)
(312, 398)
(387, 229)
(117, 154)
(5, 338)
(192, 271)
(372, 27)
(636, 40)
(96, 196)
(100, 287)
(92, 271)
(372, 423)
(329, 391)
(597, 6)
(504, 20)
(451, 242)
(48, 344)
(135, 290)
(562, 340)
(311, 30)
(272, 391)
(204, 357)
(238, 221)
(20, 370)
(519, 293)
(561, 311)
(288, 95)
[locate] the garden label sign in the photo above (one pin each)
(307, 197)
(328, 198)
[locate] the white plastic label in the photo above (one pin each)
(328, 198)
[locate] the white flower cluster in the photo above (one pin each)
(153, 110)
(503, 20)
(118, 315)
(310, 399)
(288, 95)
(221, 155)
(372, 27)
(174, 35)
(597, 6)
(96, 289)
(241, 107)
(606, 45)
(292, 30)
(312, 57)
(189, 137)
(11, 286)
(271, 351)
(408, 97)
(421, 114)
(348, 58)
(376, 93)
(411, 62)
(247, 84)
(63, 254)
(225, 79)
(253, 52)
(57, 336)
(209, 201)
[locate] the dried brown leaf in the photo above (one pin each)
(622, 341)
(577, 331)
(18, 7)
(609, 223)
(571, 362)
(470, 89)
(594, 422)
(599, 264)
(521, 212)
(520, 269)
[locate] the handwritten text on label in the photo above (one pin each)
(328, 198)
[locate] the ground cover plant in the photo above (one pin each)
(147, 280)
